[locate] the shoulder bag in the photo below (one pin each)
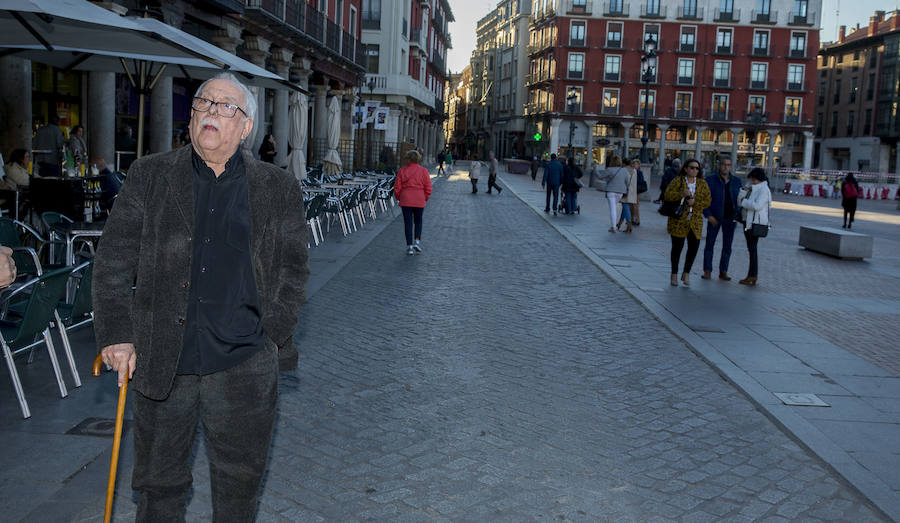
(672, 209)
(759, 230)
(641, 183)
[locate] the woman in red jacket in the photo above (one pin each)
(412, 189)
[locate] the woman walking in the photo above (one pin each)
(474, 173)
(756, 199)
(616, 178)
(629, 199)
(412, 189)
(691, 188)
(850, 193)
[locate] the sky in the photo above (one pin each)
(467, 13)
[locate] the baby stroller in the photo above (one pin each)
(562, 204)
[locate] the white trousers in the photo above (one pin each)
(613, 199)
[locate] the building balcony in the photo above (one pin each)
(793, 52)
(695, 13)
(538, 47)
(615, 8)
(537, 108)
(797, 87)
(639, 110)
(804, 20)
(756, 118)
(437, 61)
(639, 78)
(613, 44)
(759, 52)
(542, 14)
(541, 77)
(758, 85)
(578, 43)
(612, 77)
(417, 39)
(733, 15)
(723, 50)
(758, 17)
(682, 114)
(686, 48)
(683, 81)
(720, 83)
(602, 108)
(402, 85)
(795, 119)
(726, 115)
(307, 25)
(577, 7)
(657, 12)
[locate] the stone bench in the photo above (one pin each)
(839, 243)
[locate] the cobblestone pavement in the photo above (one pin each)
(500, 376)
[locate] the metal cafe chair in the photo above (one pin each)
(33, 328)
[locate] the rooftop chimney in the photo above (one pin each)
(879, 15)
(873, 25)
(842, 33)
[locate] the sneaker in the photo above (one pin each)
(417, 247)
(410, 250)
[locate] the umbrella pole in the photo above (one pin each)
(142, 90)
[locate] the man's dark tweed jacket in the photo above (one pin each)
(147, 240)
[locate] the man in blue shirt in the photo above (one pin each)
(552, 179)
(721, 213)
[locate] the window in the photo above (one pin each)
(579, 6)
(837, 92)
(760, 43)
(821, 92)
(577, 91)
(615, 6)
(610, 101)
(648, 101)
(851, 120)
(576, 66)
(612, 69)
(719, 107)
(763, 7)
(854, 87)
(756, 104)
(685, 71)
(689, 10)
(726, 6)
(792, 110)
(798, 44)
(834, 123)
(653, 7)
(576, 34)
(682, 105)
(722, 74)
(371, 14)
(651, 30)
(758, 73)
(800, 7)
(372, 52)
(868, 122)
(870, 87)
(614, 35)
(688, 39)
(795, 77)
(723, 40)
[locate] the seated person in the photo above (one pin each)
(110, 185)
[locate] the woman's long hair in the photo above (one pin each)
(683, 171)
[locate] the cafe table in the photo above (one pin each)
(72, 232)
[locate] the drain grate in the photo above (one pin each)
(99, 427)
(800, 399)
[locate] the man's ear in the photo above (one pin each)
(248, 126)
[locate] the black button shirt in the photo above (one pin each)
(728, 210)
(224, 322)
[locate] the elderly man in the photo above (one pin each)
(199, 278)
(724, 188)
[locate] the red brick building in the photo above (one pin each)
(738, 74)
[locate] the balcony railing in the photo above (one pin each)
(795, 86)
(694, 13)
(720, 82)
(687, 48)
(796, 119)
(657, 11)
(639, 109)
(806, 19)
(577, 42)
(723, 49)
(753, 50)
(758, 17)
(575, 75)
(417, 39)
(681, 114)
(726, 115)
(305, 20)
(733, 15)
(437, 60)
(612, 77)
(614, 8)
(613, 44)
(639, 77)
(683, 81)
(578, 7)
(758, 85)
(756, 118)
(793, 52)
(605, 109)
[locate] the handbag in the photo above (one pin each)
(672, 209)
(759, 230)
(641, 183)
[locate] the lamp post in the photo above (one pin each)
(357, 120)
(572, 104)
(648, 73)
(371, 85)
(756, 120)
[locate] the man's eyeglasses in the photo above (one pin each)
(224, 109)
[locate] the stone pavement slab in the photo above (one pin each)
(814, 324)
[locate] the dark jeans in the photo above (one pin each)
(678, 244)
(492, 182)
(752, 242)
(237, 409)
(410, 215)
(571, 202)
(849, 205)
(554, 190)
(474, 185)
(712, 231)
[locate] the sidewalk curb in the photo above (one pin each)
(803, 432)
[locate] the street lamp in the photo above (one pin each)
(756, 119)
(572, 104)
(358, 120)
(371, 86)
(648, 73)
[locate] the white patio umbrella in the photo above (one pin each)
(76, 34)
(298, 113)
(332, 161)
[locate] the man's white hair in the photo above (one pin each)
(249, 99)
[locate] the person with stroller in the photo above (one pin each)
(571, 185)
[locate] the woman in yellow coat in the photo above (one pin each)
(692, 187)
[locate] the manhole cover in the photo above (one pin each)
(798, 399)
(100, 427)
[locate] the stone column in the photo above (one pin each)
(808, 145)
(257, 50)
(554, 135)
(228, 37)
(319, 129)
(735, 134)
(15, 105)
(770, 157)
(627, 139)
(101, 124)
(282, 60)
(161, 120)
(588, 144)
(698, 147)
(301, 69)
(661, 156)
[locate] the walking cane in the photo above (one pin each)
(117, 440)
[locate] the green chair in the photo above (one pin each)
(33, 328)
(80, 312)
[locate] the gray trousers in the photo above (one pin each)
(237, 410)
